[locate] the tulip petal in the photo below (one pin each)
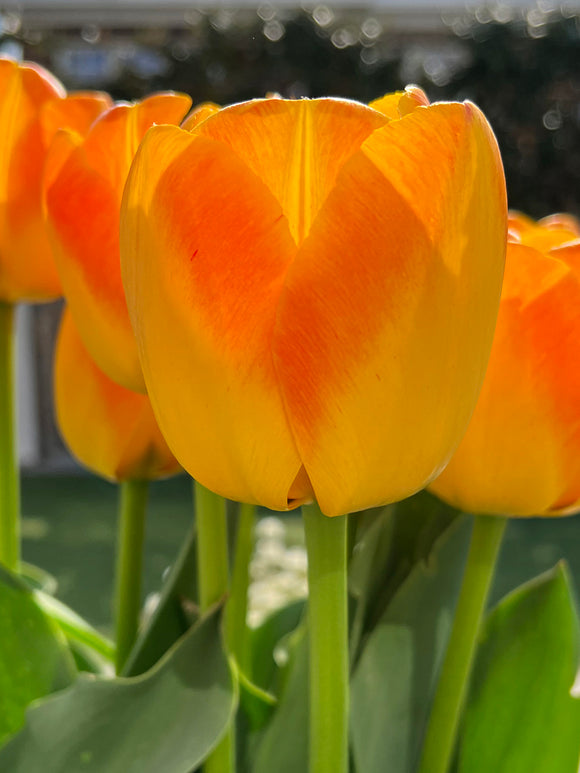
(521, 453)
(111, 430)
(27, 271)
(400, 103)
(199, 115)
(198, 224)
(89, 262)
(113, 142)
(561, 220)
(82, 201)
(381, 339)
(296, 147)
(76, 112)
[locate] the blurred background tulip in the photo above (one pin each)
(33, 106)
(521, 453)
(109, 429)
(84, 185)
(112, 431)
(313, 310)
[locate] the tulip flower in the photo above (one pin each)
(83, 188)
(521, 453)
(112, 431)
(314, 285)
(109, 429)
(33, 106)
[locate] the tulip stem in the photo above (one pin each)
(237, 606)
(213, 581)
(128, 582)
(9, 474)
(441, 736)
(326, 540)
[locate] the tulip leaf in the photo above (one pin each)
(38, 579)
(173, 615)
(283, 745)
(257, 704)
(392, 541)
(393, 683)
(74, 627)
(89, 660)
(520, 715)
(167, 720)
(34, 657)
(263, 640)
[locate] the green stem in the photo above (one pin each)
(440, 739)
(237, 606)
(128, 584)
(328, 640)
(213, 579)
(9, 476)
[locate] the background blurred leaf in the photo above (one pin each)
(394, 681)
(520, 715)
(167, 720)
(34, 657)
(173, 614)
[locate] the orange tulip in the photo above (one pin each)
(84, 185)
(521, 453)
(109, 429)
(33, 106)
(313, 286)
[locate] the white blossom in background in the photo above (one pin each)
(278, 573)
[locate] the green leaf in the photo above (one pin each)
(166, 720)
(173, 615)
(34, 658)
(38, 578)
(394, 682)
(392, 541)
(263, 640)
(74, 627)
(257, 704)
(283, 746)
(520, 715)
(87, 659)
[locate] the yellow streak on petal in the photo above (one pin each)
(299, 193)
(296, 147)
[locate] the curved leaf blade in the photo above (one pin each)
(520, 715)
(167, 720)
(394, 681)
(34, 658)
